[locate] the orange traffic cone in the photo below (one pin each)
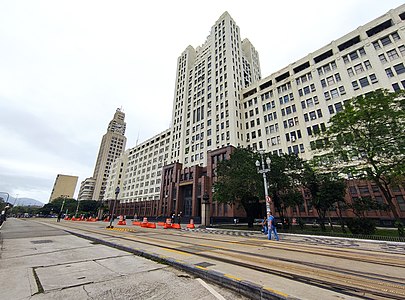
(191, 225)
(176, 226)
(122, 221)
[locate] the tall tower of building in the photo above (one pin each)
(206, 107)
(112, 146)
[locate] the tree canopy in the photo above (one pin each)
(326, 189)
(239, 183)
(367, 141)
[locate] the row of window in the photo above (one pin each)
(386, 40)
(365, 81)
(352, 56)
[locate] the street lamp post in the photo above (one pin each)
(263, 171)
(77, 208)
(8, 195)
(117, 191)
(61, 208)
(3, 216)
(205, 210)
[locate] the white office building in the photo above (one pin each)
(220, 100)
(207, 112)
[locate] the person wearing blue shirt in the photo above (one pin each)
(272, 226)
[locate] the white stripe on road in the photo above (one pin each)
(210, 289)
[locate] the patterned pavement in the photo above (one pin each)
(371, 245)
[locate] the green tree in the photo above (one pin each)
(89, 207)
(367, 141)
(238, 182)
(326, 189)
(55, 206)
(284, 182)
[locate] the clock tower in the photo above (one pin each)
(112, 146)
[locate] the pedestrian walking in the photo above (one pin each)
(59, 217)
(173, 217)
(272, 226)
(179, 217)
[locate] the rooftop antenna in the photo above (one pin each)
(137, 139)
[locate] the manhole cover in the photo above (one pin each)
(42, 242)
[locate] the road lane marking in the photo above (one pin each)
(176, 251)
(232, 277)
(276, 292)
(210, 289)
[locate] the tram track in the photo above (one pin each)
(364, 285)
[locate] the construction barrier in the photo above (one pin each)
(160, 223)
(107, 219)
(137, 223)
(191, 225)
(122, 221)
(176, 226)
(151, 225)
(173, 226)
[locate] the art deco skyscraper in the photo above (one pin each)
(112, 146)
(206, 107)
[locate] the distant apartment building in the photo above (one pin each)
(221, 102)
(86, 189)
(138, 171)
(64, 187)
(111, 147)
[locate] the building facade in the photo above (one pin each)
(138, 171)
(111, 147)
(64, 187)
(221, 102)
(207, 108)
(86, 189)
(284, 111)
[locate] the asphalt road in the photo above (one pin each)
(38, 261)
(41, 258)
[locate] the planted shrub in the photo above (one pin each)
(361, 226)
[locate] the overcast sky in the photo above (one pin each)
(65, 66)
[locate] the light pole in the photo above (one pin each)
(3, 216)
(61, 208)
(263, 171)
(8, 195)
(117, 191)
(205, 210)
(77, 208)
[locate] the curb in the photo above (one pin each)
(245, 288)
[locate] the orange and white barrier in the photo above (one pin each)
(191, 225)
(122, 221)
